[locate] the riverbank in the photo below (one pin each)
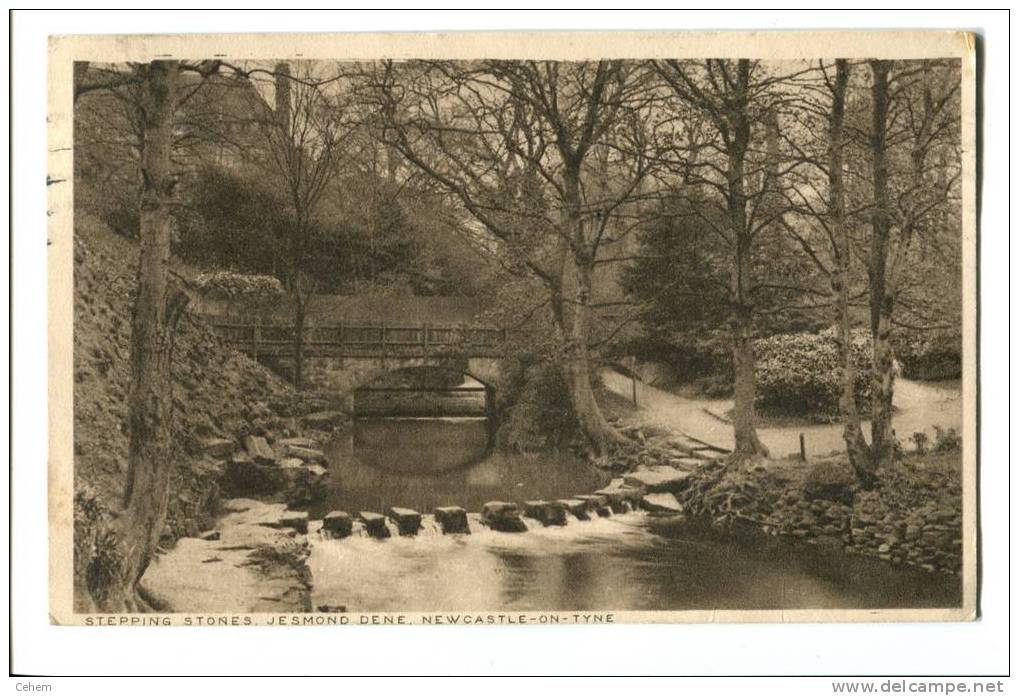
(913, 517)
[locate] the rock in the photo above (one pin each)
(211, 535)
(829, 481)
(305, 442)
(243, 477)
(661, 502)
(686, 463)
(452, 520)
(598, 504)
(374, 524)
(550, 514)
(295, 519)
(324, 420)
(407, 521)
(305, 454)
(502, 516)
(661, 479)
(217, 447)
(577, 508)
(259, 450)
(338, 524)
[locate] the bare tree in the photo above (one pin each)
(303, 138)
(546, 156)
(914, 114)
(732, 97)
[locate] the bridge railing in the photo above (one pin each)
(362, 339)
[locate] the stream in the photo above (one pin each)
(630, 561)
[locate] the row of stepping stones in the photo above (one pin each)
(506, 516)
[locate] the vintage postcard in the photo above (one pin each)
(512, 328)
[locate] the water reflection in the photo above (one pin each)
(425, 463)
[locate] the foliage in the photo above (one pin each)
(536, 408)
(800, 374)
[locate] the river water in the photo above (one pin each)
(631, 561)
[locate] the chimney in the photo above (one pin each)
(283, 95)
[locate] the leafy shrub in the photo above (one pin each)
(929, 356)
(946, 440)
(536, 409)
(800, 374)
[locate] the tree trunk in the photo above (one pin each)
(881, 296)
(599, 433)
(856, 447)
(156, 311)
(572, 313)
(299, 313)
(744, 362)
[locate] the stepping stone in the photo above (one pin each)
(660, 479)
(597, 504)
(621, 498)
(452, 520)
(338, 524)
(295, 520)
(374, 524)
(661, 502)
(578, 508)
(550, 514)
(502, 516)
(407, 521)
(259, 450)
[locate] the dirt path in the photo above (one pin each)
(921, 405)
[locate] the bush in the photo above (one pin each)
(800, 375)
(536, 409)
(929, 356)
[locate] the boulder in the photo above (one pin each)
(407, 521)
(597, 504)
(243, 477)
(830, 481)
(338, 524)
(550, 514)
(661, 502)
(502, 516)
(259, 450)
(578, 508)
(218, 447)
(324, 420)
(211, 535)
(452, 520)
(374, 524)
(659, 479)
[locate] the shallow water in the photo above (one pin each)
(625, 562)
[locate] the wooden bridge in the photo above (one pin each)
(364, 341)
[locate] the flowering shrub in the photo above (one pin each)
(799, 374)
(929, 355)
(229, 284)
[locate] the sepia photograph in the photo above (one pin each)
(680, 332)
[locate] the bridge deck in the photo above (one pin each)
(364, 341)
